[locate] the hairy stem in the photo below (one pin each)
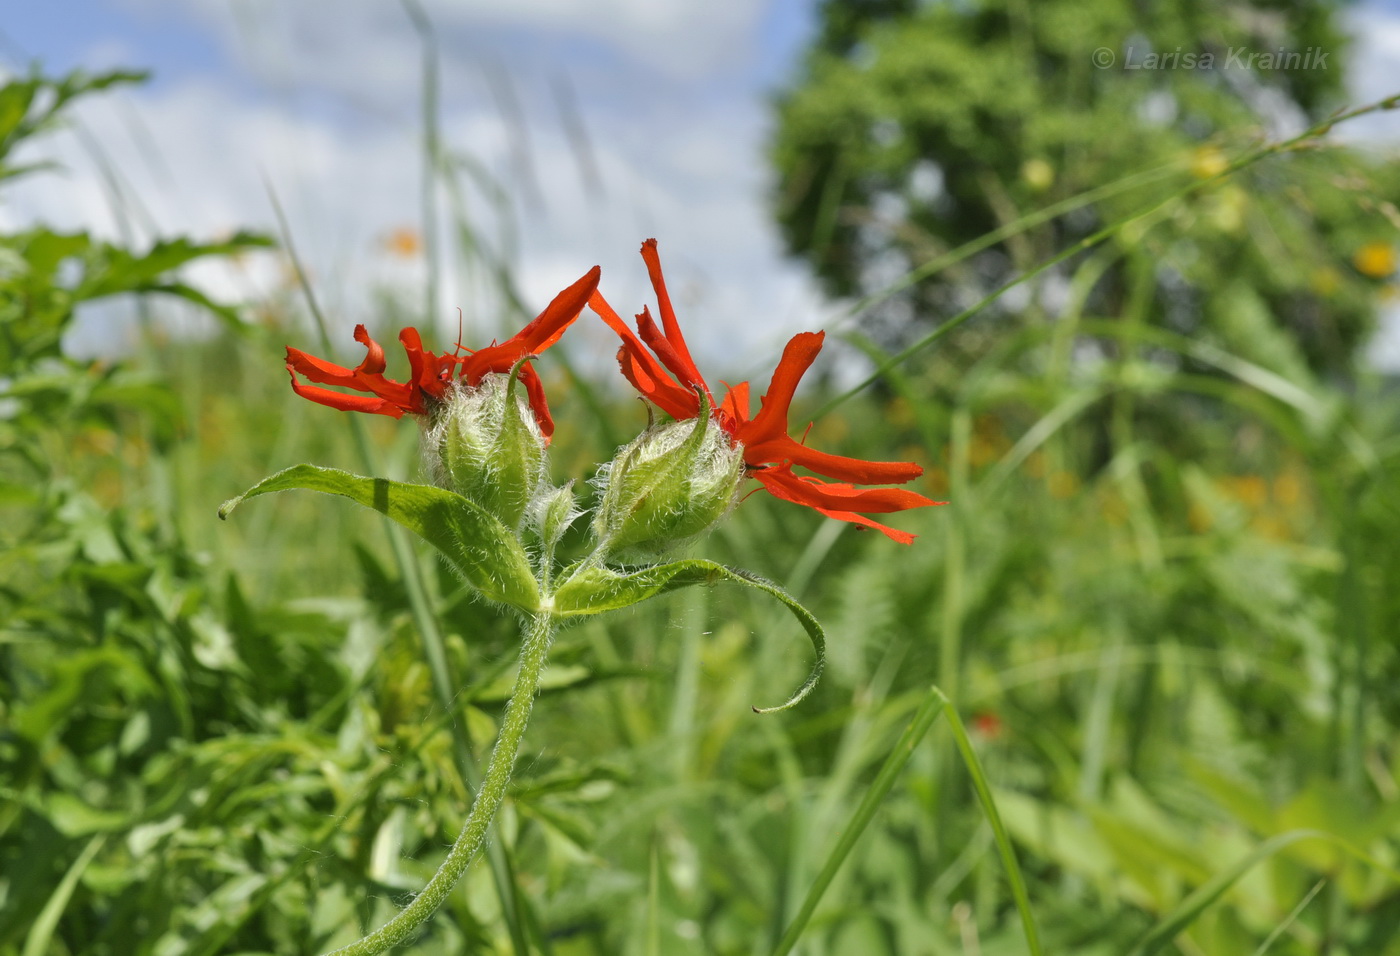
(488, 800)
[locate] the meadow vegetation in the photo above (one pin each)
(1163, 599)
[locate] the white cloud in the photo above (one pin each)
(372, 46)
(1373, 71)
(1373, 74)
(194, 155)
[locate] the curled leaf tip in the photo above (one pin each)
(799, 696)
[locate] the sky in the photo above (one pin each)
(607, 123)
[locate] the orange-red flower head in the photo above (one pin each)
(658, 364)
(430, 374)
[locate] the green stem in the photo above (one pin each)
(488, 800)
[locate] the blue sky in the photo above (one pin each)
(324, 105)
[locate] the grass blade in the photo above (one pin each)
(1290, 919)
(37, 942)
(923, 719)
(989, 807)
(1207, 893)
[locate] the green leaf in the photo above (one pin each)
(592, 589)
(125, 271)
(477, 545)
(1160, 936)
(74, 818)
(41, 932)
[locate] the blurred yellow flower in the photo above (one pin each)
(1227, 210)
(404, 242)
(1035, 464)
(1271, 527)
(1375, 259)
(1249, 490)
(1038, 174)
(1208, 161)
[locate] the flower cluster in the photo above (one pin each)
(431, 376)
(672, 483)
(658, 364)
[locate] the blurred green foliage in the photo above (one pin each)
(918, 127)
(1164, 596)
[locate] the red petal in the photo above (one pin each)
(785, 449)
(318, 370)
(608, 314)
(542, 332)
(374, 361)
(783, 484)
(654, 385)
(785, 491)
(344, 402)
(771, 420)
(642, 369)
(835, 496)
(894, 534)
(684, 371)
(429, 372)
(365, 378)
(534, 391)
(735, 407)
(668, 314)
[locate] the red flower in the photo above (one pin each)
(988, 724)
(430, 374)
(658, 364)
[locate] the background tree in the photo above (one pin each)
(917, 127)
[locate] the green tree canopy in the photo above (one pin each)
(917, 127)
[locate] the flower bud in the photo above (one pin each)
(488, 447)
(551, 513)
(672, 483)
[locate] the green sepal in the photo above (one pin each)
(554, 513)
(593, 589)
(474, 542)
(661, 493)
(491, 453)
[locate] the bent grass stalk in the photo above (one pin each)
(488, 799)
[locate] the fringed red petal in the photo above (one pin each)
(343, 402)
(686, 370)
(542, 332)
(772, 419)
(839, 496)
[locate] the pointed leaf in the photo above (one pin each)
(595, 589)
(473, 541)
